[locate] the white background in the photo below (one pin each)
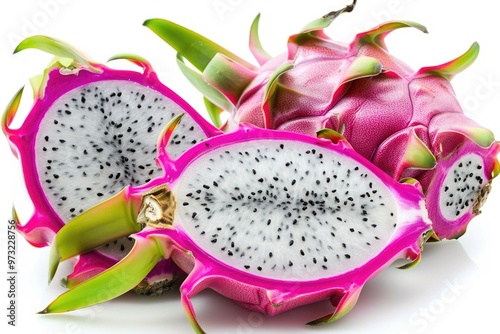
(455, 287)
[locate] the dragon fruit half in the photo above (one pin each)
(407, 122)
(270, 219)
(92, 131)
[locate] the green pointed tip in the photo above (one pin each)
(410, 264)
(44, 311)
(55, 47)
(409, 180)
(135, 59)
(342, 307)
(188, 308)
(377, 35)
(167, 131)
(481, 136)
(418, 155)
(54, 260)
(10, 112)
(320, 321)
(413, 182)
(363, 67)
(197, 49)
(114, 282)
(327, 19)
(196, 326)
(255, 44)
(110, 220)
(450, 69)
(430, 236)
(331, 135)
(318, 24)
(15, 216)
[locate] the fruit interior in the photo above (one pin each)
(97, 138)
(285, 209)
(463, 183)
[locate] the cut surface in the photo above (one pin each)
(282, 210)
(100, 137)
(461, 186)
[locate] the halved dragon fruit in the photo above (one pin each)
(409, 123)
(92, 131)
(270, 219)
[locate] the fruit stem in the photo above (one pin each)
(347, 9)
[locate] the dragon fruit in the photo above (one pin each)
(270, 219)
(409, 123)
(92, 131)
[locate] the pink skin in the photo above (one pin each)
(382, 116)
(40, 229)
(272, 296)
(403, 120)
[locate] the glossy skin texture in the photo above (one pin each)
(404, 121)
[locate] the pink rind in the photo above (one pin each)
(443, 228)
(271, 296)
(23, 139)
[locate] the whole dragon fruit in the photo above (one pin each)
(91, 132)
(270, 219)
(407, 122)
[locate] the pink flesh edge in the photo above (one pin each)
(260, 293)
(443, 228)
(39, 230)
